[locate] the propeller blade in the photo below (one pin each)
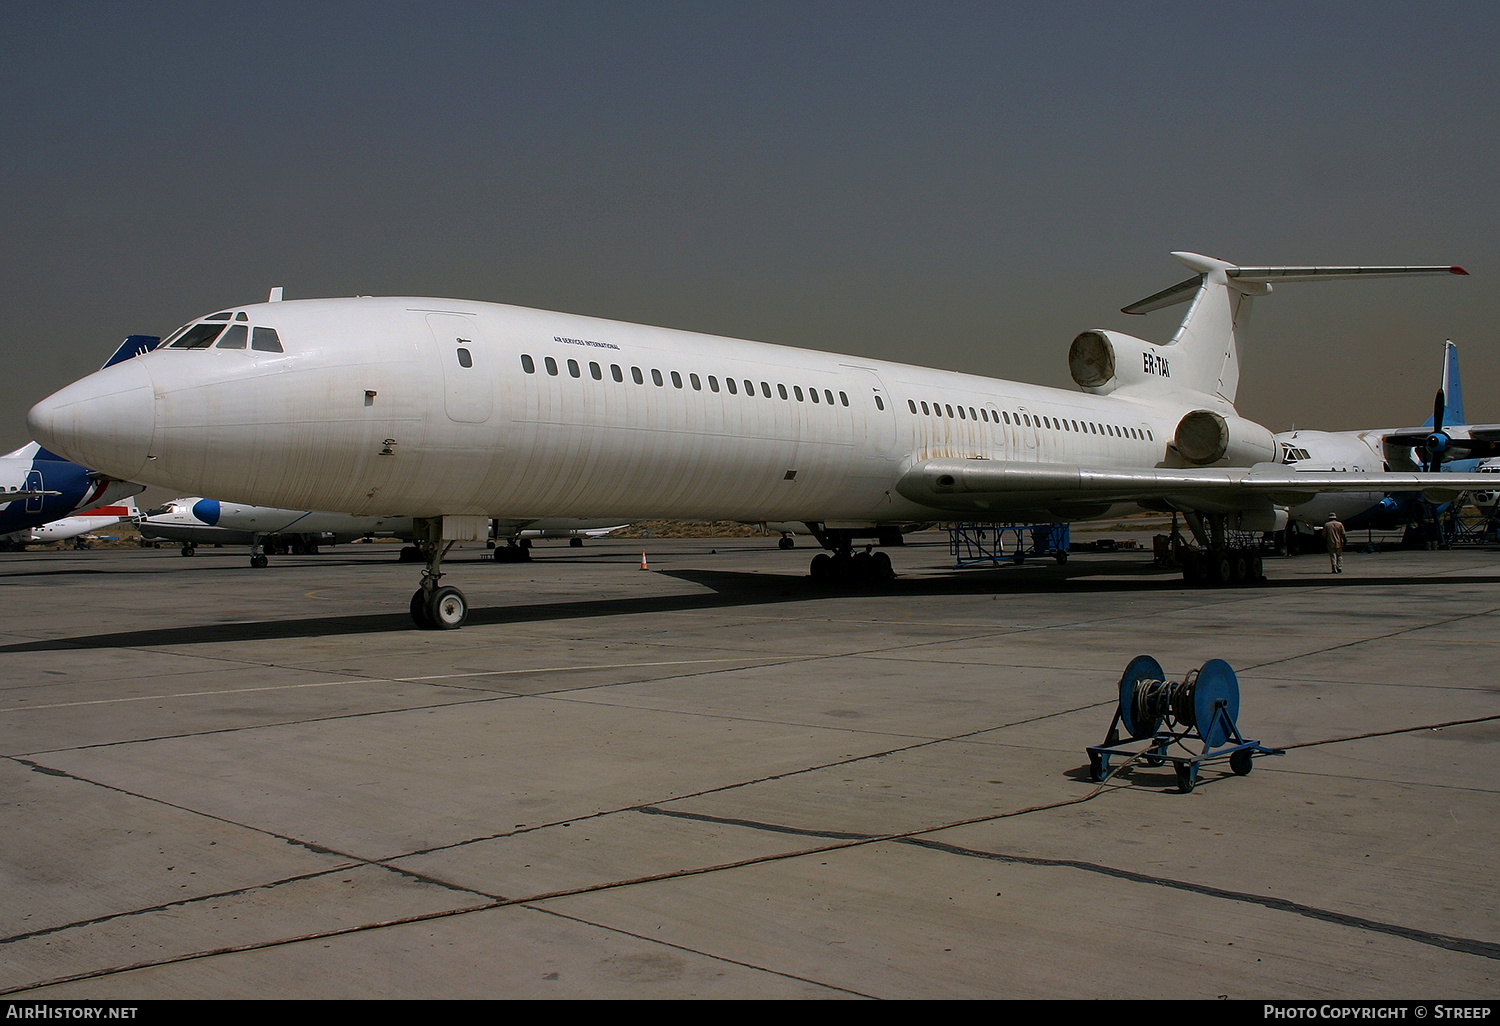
(1434, 440)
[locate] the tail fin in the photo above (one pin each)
(1204, 353)
(1453, 396)
(133, 346)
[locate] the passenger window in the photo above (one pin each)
(765, 389)
(925, 409)
(265, 340)
(713, 383)
(465, 358)
(912, 403)
(614, 372)
(879, 403)
(782, 390)
(528, 364)
(961, 414)
(828, 395)
(635, 375)
(812, 393)
(844, 398)
(551, 365)
(656, 377)
(236, 337)
(797, 391)
(572, 369)
(676, 380)
(697, 385)
(596, 371)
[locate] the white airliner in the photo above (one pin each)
(456, 412)
(70, 527)
(195, 521)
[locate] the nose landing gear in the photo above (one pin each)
(437, 607)
(434, 606)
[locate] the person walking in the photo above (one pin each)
(1333, 537)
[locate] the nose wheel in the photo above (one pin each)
(439, 609)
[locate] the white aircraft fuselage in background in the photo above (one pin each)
(466, 411)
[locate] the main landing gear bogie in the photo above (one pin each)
(1223, 568)
(846, 567)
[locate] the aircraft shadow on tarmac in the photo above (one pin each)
(725, 589)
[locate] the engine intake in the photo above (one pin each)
(1102, 361)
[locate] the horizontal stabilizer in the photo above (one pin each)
(1184, 290)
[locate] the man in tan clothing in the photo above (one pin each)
(1333, 537)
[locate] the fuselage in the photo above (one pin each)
(431, 407)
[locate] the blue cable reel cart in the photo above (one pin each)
(1158, 715)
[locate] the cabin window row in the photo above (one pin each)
(731, 385)
(1019, 419)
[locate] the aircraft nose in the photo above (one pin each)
(105, 421)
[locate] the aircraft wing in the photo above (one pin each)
(999, 487)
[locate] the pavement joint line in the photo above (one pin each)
(363, 680)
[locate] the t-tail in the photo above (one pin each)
(1201, 362)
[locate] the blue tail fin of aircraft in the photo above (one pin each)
(133, 346)
(1452, 405)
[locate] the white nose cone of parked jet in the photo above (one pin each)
(105, 421)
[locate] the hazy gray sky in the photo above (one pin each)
(965, 185)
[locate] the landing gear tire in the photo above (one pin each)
(1221, 570)
(442, 609)
(447, 609)
(785, 543)
(575, 543)
(1192, 569)
(419, 614)
(822, 567)
(259, 562)
(189, 550)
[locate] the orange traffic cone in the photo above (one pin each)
(643, 562)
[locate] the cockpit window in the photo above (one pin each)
(173, 337)
(266, 340)
(199, 336)
(241, 316)
(234, 338)
(218, 316)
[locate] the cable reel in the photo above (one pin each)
(1203, 707)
